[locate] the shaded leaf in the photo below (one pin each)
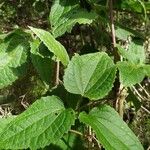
(70, 100)
(53, 45)
(69, 141)
(42, 64)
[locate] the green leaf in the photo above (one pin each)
(44, 122)
(4, 122)
(111, 131)
(137, 6)
(70, 100)
(90, 75)
(69, 141)
(42, 64)
(65, 14)
(135, 53)
(123, 34)
(130, 74)
(53, 45)
(8, 75)
(147, 70)
(13, 56)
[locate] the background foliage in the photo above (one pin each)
(66, 28)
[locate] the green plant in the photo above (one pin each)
(78, 105)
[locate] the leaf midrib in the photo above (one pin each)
(26, 116)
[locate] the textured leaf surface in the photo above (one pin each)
(42, 64)
(111, 131)
(44, 122)
(4, 122)
(53, 45)
(90, 75)
(13, 56)
(130, 74)
(9, 75)
(65, 14)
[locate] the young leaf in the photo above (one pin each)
(65, 14)
(90, 75)
(111, 131)
(130, 74)
(53, 45)
(43, 123)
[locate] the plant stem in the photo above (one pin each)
(89, 137)
(112, 24)
(76, 132)
(95, 103)
(120, 95)
(145, 109)
(121, 99)
(78, 104)
(98, 144)
(148, 95)
(57, 73)
(138, 94)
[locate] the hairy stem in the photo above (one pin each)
(120, 98)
